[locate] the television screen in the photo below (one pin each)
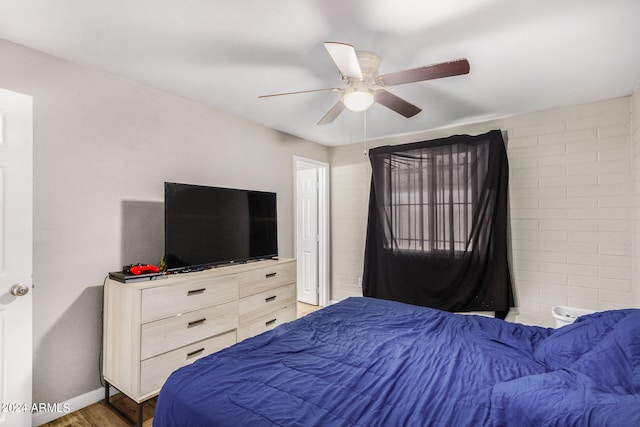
(211, 225)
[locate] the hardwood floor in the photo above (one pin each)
(99, 415)
(306, 308)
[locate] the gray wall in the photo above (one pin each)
(103, 146)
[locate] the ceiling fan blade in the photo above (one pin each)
(333, 112)
(428, 72)
(396, 103)
(330, 89)
(345, 58)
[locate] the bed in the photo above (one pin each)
(366, 361)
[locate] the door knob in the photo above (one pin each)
(19, 290)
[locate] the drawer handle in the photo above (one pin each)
(196, 322)
(268, 275)
(270, 322)
(269, 299)
(195, 353)
(196, 292)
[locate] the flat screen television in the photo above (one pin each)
(207, 226)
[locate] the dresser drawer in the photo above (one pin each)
(254, 281)
(265, 323)
(258, 305)
(173, 332)
(155, 371)
(182, 295)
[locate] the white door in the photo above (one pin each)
(16, 213)
(307, 235)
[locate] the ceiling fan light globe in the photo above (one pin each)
(358, 100)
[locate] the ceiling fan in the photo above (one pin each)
(364, 86)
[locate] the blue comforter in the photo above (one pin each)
(372, 362)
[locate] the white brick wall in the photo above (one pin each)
(571, 207)
(635, 120)
(350, 181)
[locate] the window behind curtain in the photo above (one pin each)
(437, 227)
(430, 199)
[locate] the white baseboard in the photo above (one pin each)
(71, 405)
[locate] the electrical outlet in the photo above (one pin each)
(360, 282)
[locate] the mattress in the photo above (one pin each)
(366, 361)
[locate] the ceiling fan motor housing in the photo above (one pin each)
(369, 65)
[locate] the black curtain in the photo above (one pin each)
(437, 228)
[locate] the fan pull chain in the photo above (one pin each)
(365, 133)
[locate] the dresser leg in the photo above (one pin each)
(108, 404)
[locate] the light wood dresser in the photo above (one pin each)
(152, 328)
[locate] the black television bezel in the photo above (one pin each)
(216, 263)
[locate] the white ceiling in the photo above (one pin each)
(524, 55)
